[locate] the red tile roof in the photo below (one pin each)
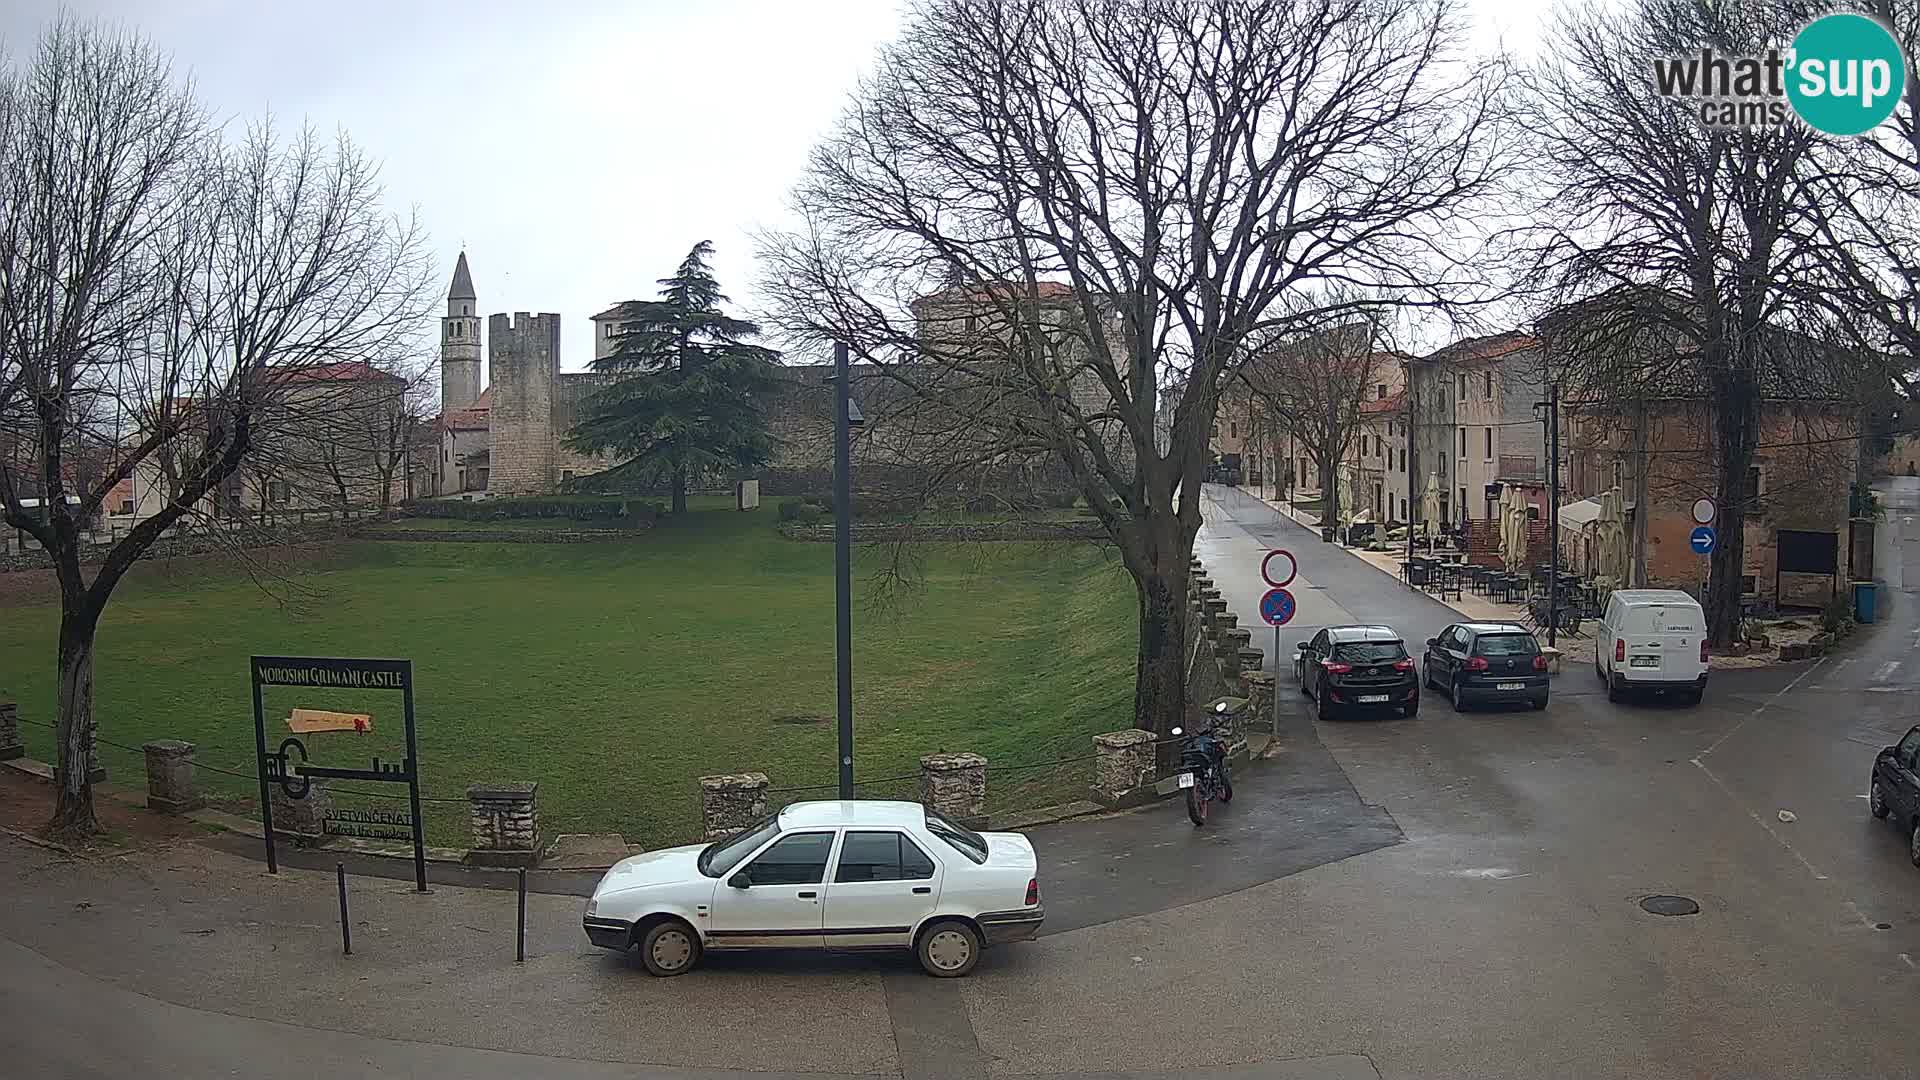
(1488, 347)
(340, 371)
(472, 418)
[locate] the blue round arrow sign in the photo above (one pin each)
(1702, 540)
(1277, 607)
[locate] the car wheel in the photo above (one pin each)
(1598, 671)
(1692, 697)
(1538, 703)
(1877, 800)
(1453, 692)
(949, 948)
(1320, 707)
(669, 947)
(1914, 845)
(1302, 674)
(1614, 690)
(1412, 710)
(1426, 673)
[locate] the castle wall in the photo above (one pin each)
(569, 391)
(524, 353)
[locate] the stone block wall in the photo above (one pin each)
(10, 745)
(1123, 767)
(955, 785)
(506, 824)
(731, 802)
(171, 788)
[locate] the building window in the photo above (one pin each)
(126, 506)
(566, 475)
(1460, 392)
(1753, 484)
(1233, 427)
(277, 491)
(1463, 442)
(1403, 509)
(1380, 391)
(1464, 515)
(973, 323)
(1489, 444)
(1489, 378)
(1403, 459)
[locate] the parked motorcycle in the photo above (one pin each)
(1204, 773)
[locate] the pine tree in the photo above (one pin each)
(689, 392)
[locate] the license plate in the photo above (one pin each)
(1644, 661)
(1512, 686)
(1186, 779)
(1372, 699)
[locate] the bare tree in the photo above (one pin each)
(1315, 384)
(160, 292)
(1038, 213)
(1701, 237)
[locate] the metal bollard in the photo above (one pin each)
(346, 928)
(520, 934)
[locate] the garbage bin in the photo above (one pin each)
(1863, 601)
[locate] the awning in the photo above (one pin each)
(1578, 515)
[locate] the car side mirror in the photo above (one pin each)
(1432, 641)
(740, 880)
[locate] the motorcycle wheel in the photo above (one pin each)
(1196, 806)
(1226, 791)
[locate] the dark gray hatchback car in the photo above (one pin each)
(1357, 669)
(1487, 662)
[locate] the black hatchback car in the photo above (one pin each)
(1357, 668)
(1895, 788)
(1485, 662)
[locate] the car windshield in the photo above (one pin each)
(960, 838)
(1505, 645)
(722, 856)
(1369, 652)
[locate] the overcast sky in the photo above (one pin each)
(576, 148)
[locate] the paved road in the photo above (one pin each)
(1501, 937)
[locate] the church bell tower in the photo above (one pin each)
(460, 342)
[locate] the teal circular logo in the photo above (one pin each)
(1847, 75)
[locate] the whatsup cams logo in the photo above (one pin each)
(1844, 75)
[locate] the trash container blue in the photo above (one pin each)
(1863, 601)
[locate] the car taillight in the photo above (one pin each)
(1335, 667)
(1403, 665)
(1476, 663)
(1539, 662)
(1033, 891)
(1619, 649)
(1703, 650)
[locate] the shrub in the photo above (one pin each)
(802, 511)
(1836, 615)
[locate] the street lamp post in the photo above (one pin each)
(843, 560)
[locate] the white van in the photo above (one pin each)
(1652, 639)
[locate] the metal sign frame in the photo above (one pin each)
(295, 780)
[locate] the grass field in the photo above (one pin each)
(615, 674)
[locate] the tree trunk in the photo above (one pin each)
(679, 489)
(73, 818)
(1735, 427)
(1637, 573)
(1329, 492)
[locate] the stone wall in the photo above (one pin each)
(503, 536)
(205, 543)
(958, 531)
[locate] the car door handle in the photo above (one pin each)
(808, 895)
(921, 890)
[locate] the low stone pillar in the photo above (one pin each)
(1227, 643)
(1212, 607)
(506, 824)
(1259, 686)
(301, 818)
(1251, 660)
(955, 785)
(170, 780)
(1225, 621)
(1123, 767)
(10, 745)
(1230, 726)
(731, 802)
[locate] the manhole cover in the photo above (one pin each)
(1670, 905)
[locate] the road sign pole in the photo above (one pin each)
(1274, 720)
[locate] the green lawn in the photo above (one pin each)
(615, 674)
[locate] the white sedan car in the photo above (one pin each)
(825, 875)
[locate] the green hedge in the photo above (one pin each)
(597, 509)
